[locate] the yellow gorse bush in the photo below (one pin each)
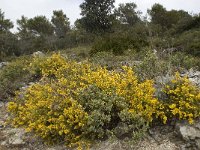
(51, 107)
(183, 99)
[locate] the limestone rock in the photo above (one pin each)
(189, 133)
(2, 64)
(14, 137)
(38, 54)
(194, 76)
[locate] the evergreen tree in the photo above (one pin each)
(127, 14)
(61, 23)
(97, 15)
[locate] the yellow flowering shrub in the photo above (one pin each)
(49, 112)
(73, 101)
(183, 99)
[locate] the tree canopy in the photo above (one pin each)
(97, 15)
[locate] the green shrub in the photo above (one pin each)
(108, 114)
(182, 60)
(151, 67)
(119, 42)
(189, 42)
(13, 76)
(76, 102)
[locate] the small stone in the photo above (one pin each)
(15, 136)
(198, 143)
(189, 132)
(38, 54)
(1, 104)
(4, 143)
(2, 64)
(16, 141)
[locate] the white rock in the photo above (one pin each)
(38, 54)
(189, 132)
(2, 64)
(14, 136)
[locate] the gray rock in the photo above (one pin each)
(3, 143)
(14, 136)
(163, 79)
(1, 104)
(198, 143)
(2, 64)
(190, 133)
(108, 145)
(194, 76)
(38, 54)
(169, 50)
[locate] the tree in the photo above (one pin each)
(8, 41)
(35, 34)
(97, 15)
(39, 25)
(23, 27)
(61, 23)
(5, 24)
(158, 14)
(8, 45)
(167, 19)
(127, 14)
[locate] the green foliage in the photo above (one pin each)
(8, 41)
(159, 15)
(9, 45)
(187, 23)
(108, 60)
(121, 41)
(97, 16)
(108, 114)
(189, 42)
(5, 24)
(13, 76)
(39, 25)
(127, 14)
(103, 110)
(182, 60)
(117, 45)
(61, 23)
(151, 67)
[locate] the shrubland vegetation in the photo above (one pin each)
(81, 102)
(101, 83)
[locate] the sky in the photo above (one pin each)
(14, 9)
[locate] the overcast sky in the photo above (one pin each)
(14, 9)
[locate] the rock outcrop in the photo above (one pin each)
(190, 134)
(194, 76)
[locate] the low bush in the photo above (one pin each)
(73, 101)
(119, 42)
(79, 102)
(151, 67)
(13, 76)
(182, 60)
(189, 42)
(182, 99)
